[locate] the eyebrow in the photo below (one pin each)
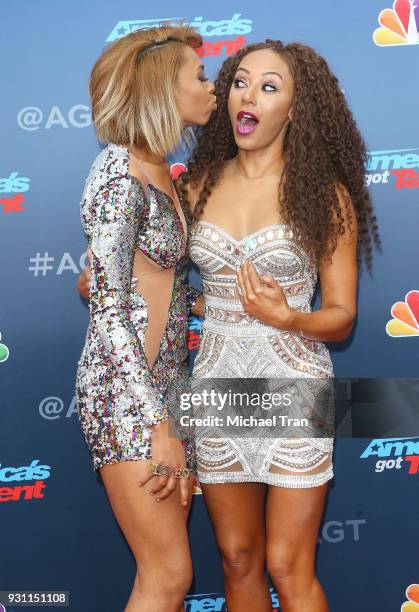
(263, 73)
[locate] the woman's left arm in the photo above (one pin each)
(264, 298)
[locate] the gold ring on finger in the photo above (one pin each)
(185, 472)
(154, 468)
(164, 470)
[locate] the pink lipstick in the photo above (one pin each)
(246, 123)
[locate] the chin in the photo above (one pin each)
(243, 143)
(202, 120)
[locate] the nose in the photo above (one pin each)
(211, 86)
(248, 95)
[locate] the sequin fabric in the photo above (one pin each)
(119, 397)
(236, 345)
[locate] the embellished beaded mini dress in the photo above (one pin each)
(237, 345)
(133, 366)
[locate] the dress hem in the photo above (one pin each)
(280, 480)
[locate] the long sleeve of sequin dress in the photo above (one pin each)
(112, 245)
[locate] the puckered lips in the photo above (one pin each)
(246, 123)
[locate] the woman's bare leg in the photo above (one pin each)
(157, 535)
(237, 515)
(292, 524)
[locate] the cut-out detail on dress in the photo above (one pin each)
(155, 281)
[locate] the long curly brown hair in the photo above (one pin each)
(323, 152)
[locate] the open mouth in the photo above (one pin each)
(246, 123)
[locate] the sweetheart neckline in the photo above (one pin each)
(223, 231)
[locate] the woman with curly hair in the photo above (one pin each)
(276, 187)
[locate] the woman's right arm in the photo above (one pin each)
(112, 225)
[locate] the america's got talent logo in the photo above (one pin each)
(234, 26)
(215, 602)
(402, 164)
(13, 186)
(13, 487)
(394, 454)
(398, 25)
(224, 27)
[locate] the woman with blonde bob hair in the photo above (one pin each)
(146, 89)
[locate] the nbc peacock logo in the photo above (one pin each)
(399, 25)
(412, 603)
(405, 315)
(4, 355)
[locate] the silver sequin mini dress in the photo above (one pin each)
(236, 345)
(138, 284)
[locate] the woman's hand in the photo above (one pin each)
(83, 283)
(262, 297)
(167, 450)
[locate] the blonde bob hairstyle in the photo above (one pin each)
(132, 88)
